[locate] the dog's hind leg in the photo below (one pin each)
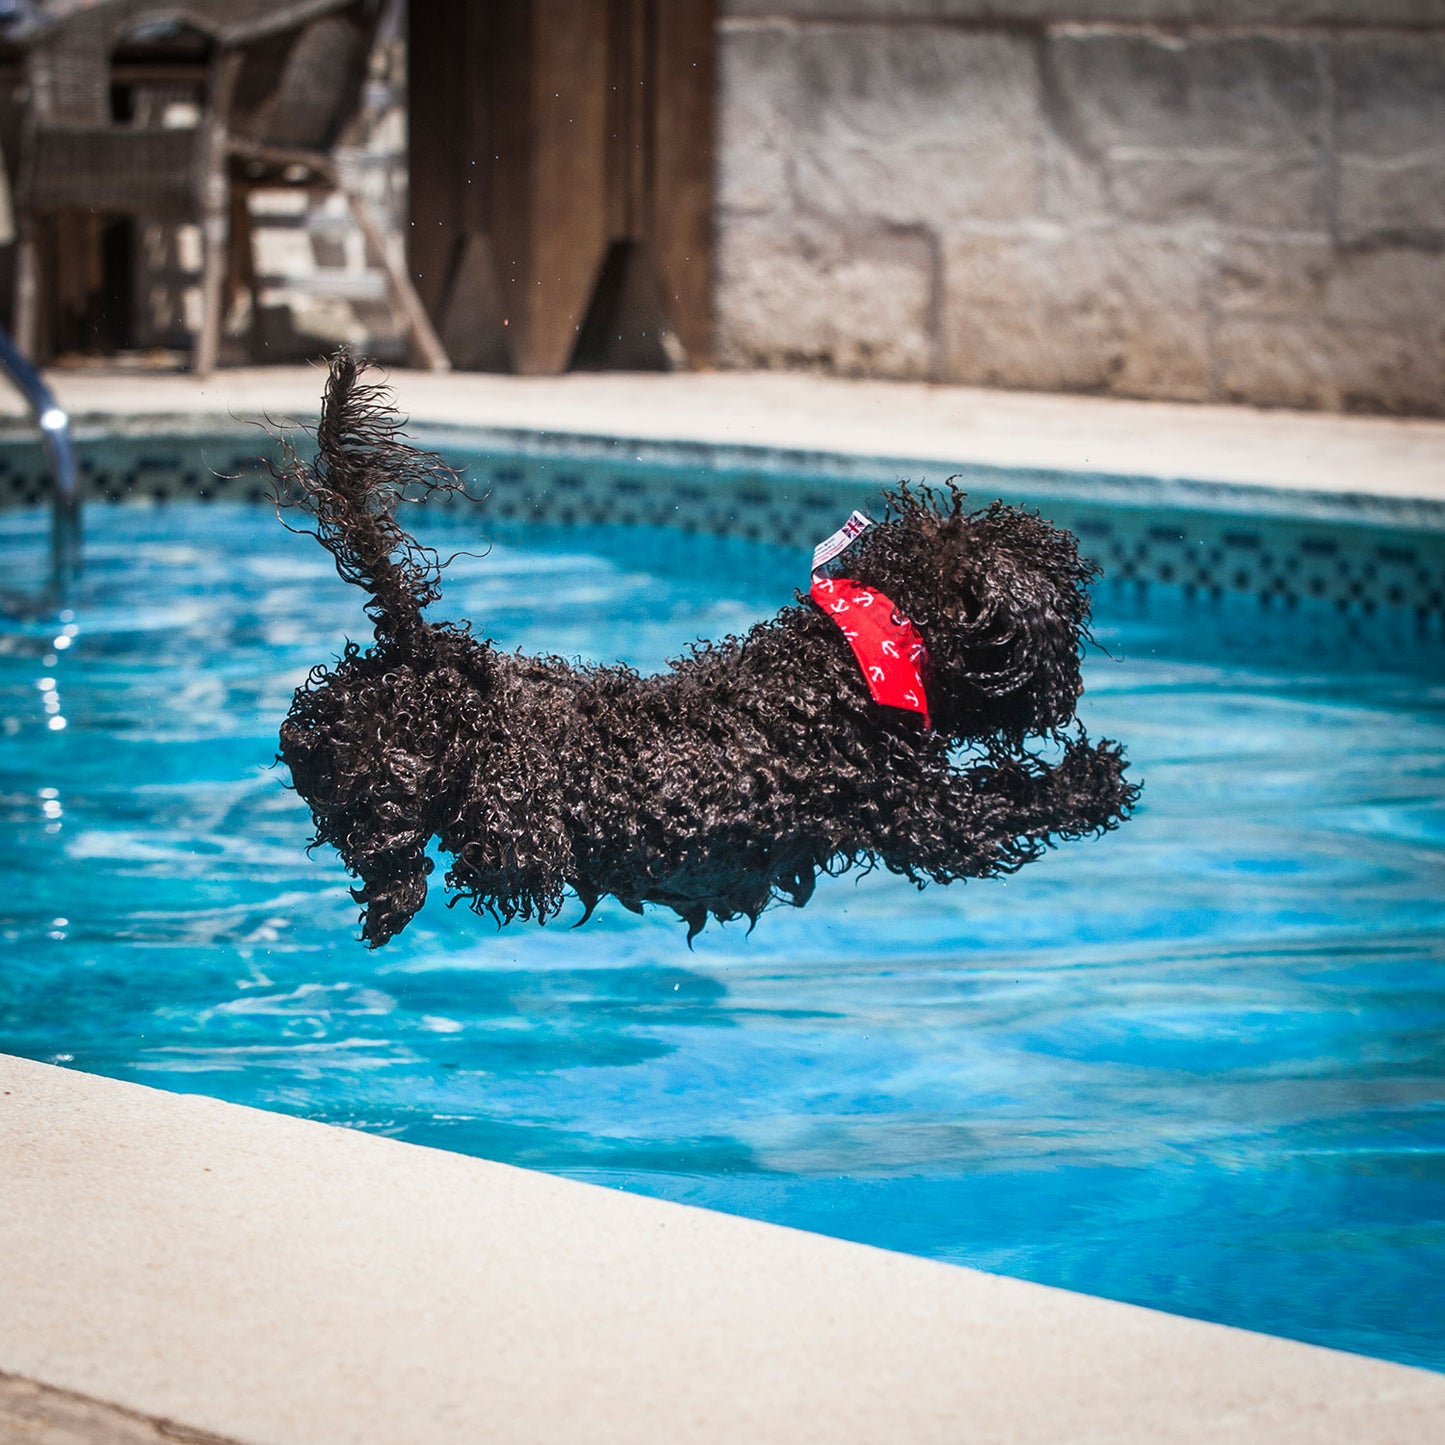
(393, 889)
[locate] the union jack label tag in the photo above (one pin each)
(841, 540)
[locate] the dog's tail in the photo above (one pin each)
(352, 489)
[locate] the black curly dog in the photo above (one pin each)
(726, 782)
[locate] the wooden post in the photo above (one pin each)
(680, 220)
(552, 141)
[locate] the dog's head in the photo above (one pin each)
(1001, 599)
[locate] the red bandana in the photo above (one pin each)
(887, 645)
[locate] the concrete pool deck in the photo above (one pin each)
(1314, 451)
(173, 1268)
(268, 1280)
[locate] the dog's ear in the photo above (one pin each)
(1007, 661)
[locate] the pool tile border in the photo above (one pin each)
(1361, 553)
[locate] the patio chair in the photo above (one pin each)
(274, 88)
(296, 94)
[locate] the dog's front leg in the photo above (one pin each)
(1004, 811)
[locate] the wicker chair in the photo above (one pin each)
(295, 95)
(281, 82)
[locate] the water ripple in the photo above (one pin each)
(1197, 1064)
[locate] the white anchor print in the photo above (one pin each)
(875, 650)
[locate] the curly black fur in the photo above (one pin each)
(717, 787)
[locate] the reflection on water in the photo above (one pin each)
(1197, 1064)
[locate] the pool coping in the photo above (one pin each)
(269, 1280)
(1229, 454)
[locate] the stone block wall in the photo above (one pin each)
(1224, 200)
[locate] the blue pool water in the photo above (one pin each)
(1199, 1064)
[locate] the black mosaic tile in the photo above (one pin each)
(1278, 560)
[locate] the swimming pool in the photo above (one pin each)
(1196, 1064)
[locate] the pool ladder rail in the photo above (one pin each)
(59, 448)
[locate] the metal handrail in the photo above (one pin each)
(59, 448)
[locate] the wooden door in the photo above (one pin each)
(561, 179)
